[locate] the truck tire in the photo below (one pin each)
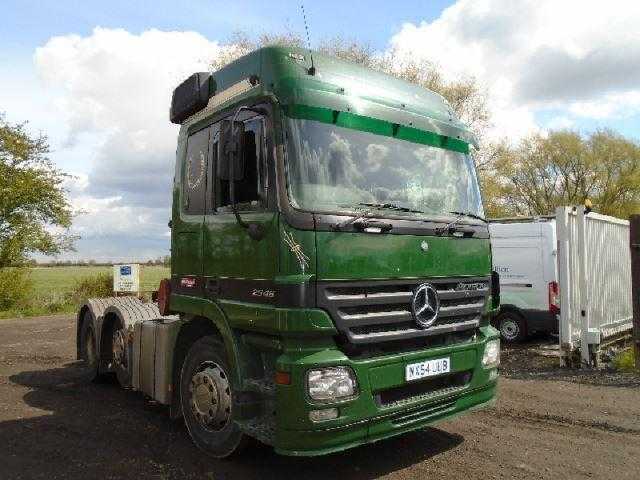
(206, 397)
(120, 361)
(512, 327)
(88, 349)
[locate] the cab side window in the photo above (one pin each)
(194, 176)
(251, 189)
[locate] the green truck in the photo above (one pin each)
(331, 279)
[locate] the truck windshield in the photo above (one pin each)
(332, 168)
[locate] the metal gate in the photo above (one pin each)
(594, 269)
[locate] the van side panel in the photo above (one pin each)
(517, 257)
(549, 251)
(524, 254)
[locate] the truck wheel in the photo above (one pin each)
(88, 351)
(120, 356)
(512, 327)
(206, 397)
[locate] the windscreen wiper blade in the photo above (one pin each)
(470, 215)
(362, 218)
(355, 218)
(452, 227)
(390, 206)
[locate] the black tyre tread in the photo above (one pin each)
(131, 310)
(89, 372)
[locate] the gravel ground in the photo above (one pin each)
(547, 423)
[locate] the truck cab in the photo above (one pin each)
(331, 279)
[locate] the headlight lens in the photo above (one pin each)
(331, 383)
(491, 357)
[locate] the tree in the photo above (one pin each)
(565, 168)
(34, 212)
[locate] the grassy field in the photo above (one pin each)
(52, 287)
(62, 279)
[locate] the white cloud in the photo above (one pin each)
(559, 123)
(576, 55)
(615, 105)
(115, 87)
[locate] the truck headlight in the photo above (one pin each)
(491, 356)
(331, 383)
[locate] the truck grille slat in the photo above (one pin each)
(376, 318)
(458, 310)
(380, 310)
(403, 332)
(458, 294)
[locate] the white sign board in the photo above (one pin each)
(126, 278)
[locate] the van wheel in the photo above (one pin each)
(88, 350)
(512, 327)
(206, 397)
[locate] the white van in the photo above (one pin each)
(524, 254)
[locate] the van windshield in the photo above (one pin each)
(332, 168)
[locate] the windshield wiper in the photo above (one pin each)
(468, 214)
(355, 218)
(451, 227)
(361, 220)
(390, 206)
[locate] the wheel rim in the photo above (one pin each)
(89, 348)
(210, 396)
(119, 349)
(509, 329)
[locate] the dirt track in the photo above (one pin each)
(546, 424)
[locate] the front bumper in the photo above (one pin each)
(364, 419)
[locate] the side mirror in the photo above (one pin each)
(230, 149)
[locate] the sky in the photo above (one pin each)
(96, 78)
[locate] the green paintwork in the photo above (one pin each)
(361, 420)
(338, 85)
(261, 337)
(343, 256)
(376, 126)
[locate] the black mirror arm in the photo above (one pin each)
(255, 231)
(232, 192)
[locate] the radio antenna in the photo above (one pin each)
(312, 69)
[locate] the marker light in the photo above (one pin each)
(323, 415)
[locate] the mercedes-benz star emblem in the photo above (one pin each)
(425, 305)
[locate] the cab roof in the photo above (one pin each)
(339, 85)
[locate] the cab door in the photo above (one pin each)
(237, 267)
(188, 214)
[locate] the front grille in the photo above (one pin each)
(380, 311)
(424, 389)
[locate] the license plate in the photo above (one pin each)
(429, 368)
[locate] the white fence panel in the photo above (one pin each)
(594, 266)
(609, 281)
(568, 277)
